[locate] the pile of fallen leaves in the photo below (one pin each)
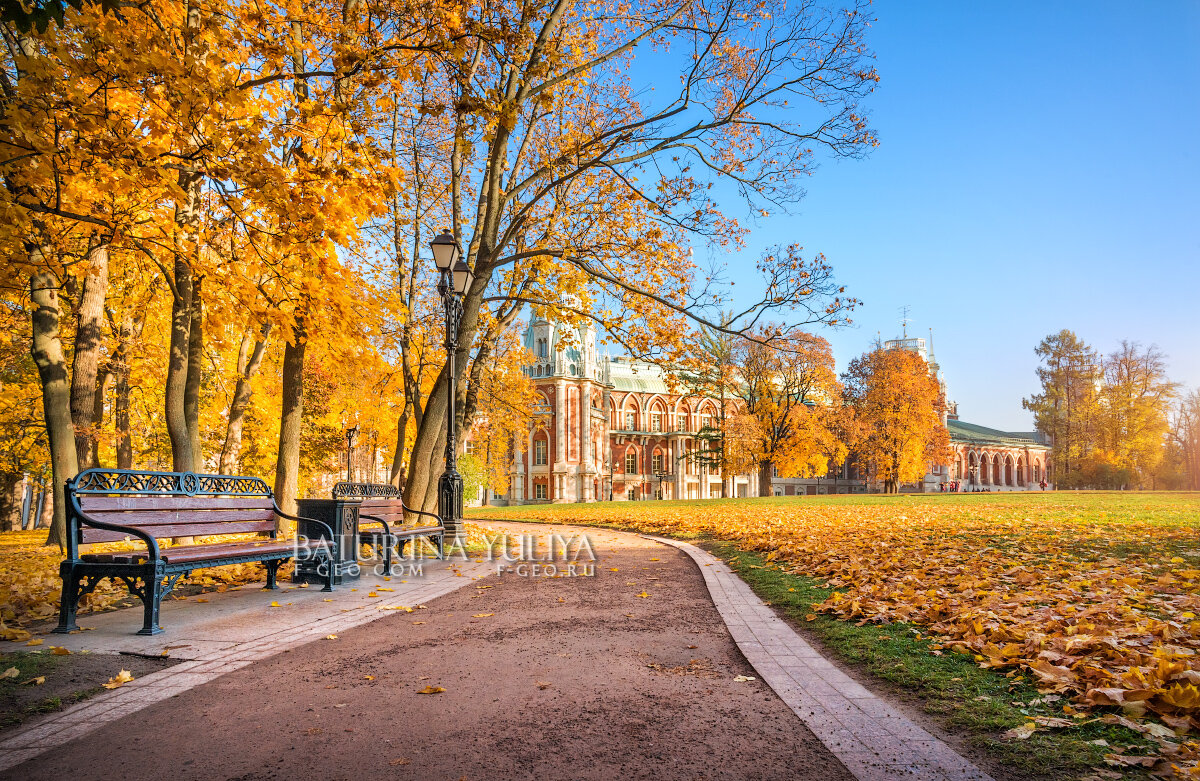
(1095, 597)
(30, 587)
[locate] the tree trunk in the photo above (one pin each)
(12, 494)
(397, 471)
(177, 367)
(764, 478)
(46, 505)
(287, 465)
(47, 353)
(88, 338)
(249, 360)
(121, 422)
(102, 379)
(187, 242)
(420, 489)
(191, 387)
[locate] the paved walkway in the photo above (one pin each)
(863, 733)
(871, 738)
(235, 628)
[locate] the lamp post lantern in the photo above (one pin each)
(455, 278)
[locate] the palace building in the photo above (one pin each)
(613, 429)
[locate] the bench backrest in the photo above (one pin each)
(380, 500)
(346, 490)
(389, 509)
(169, 504)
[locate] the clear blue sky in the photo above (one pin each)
(1038, 170)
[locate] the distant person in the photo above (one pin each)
(1043, 485)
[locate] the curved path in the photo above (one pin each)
(871, 738)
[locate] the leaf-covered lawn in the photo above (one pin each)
(1092, 596)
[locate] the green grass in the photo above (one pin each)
(30, 666)
(978, 703)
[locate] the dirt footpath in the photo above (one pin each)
(628, 674)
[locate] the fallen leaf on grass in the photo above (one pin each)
(431, 690)
(58, 650)
(35, 641)
(1022, 732)
(1120, 760)
(120, 679)
(811, 617)
(38, 681)
(11, 672)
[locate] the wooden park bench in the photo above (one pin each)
(382, 506)
(106, 505)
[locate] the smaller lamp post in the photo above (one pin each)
(661, 475)
(351, 435)
(455, 278)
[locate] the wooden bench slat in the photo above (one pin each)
(100, 503)
(196, 517)
(164, 531)
(199, 553)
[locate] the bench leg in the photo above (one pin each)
(151, 599)
(387, 553)
(400, 543)
(441, 543)
(272, 570)
(70, 600)
(329, 576)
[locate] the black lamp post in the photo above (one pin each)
(661, 475)
(351, 435)
(455, 278)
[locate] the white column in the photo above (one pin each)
(561, 410)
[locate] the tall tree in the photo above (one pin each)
(1135, 405)
(782, 385)
(1066, 410)
(564, 179)
(899, 405)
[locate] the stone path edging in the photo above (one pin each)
(871, 738)
(41, 735)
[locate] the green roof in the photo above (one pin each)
(636, 376)
(972, 434)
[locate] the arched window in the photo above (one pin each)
(631, 462)
(540, 451)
